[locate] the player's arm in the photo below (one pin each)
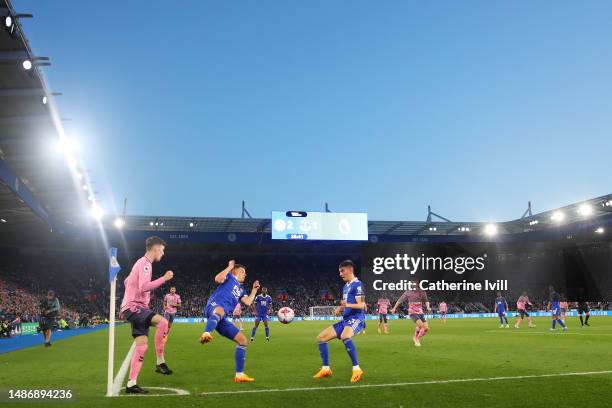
(147, 285)
(248, 300)
(220, 277)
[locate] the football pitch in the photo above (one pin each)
(465, 362)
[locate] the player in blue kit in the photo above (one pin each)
(352, 309)
(554, 305)
(263, 302)
(221, 304)
(501, 306)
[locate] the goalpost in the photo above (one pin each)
(322, 311)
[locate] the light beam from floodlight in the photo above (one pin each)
(96, 212)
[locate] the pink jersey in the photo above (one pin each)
(443, 307)
(383, 305)
(237, 310)
(171, 300)
(415, 299)
(138, 286)
(563, 305)
(522, 302)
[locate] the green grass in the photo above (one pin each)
(459, 349)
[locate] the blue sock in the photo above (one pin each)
(561, 323)
(212, 322)
(267, 331)
(554, 323)
(253, 331)
(352, 352)
(240, 357)
(501, 320)
(506, 319)
(324, 353)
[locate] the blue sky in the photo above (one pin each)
(474, 107)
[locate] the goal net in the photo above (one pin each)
(322, 311)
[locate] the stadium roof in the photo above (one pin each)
(586, 210)
(37, 179)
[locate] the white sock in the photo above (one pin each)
(356, 367)
(160, 360)
(131, 383)
(325, 368)
(239, 374)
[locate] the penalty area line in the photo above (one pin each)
(404, 384)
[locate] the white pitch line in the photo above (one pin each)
(177, 392)
(402, 384)
(123, 371)
(559, 332)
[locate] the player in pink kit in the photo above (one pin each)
(171, 302)
(237, 315)
(443, 309)
(135, 309)
(383, 305)
(415, 299)
(521, 306)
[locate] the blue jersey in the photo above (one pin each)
(262, 303)
(227, 295)
(350, 292)
(500, 304)
(554, 300)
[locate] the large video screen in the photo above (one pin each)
(324, 226)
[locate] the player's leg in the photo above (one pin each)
(330, 333)
(586, 320)
(506, 319)
(170, 319)
(580, 316)
(267, 328)
(352, 327)
(161, 325)
(228, 330)
(213, 316)
(519, 321)
(136, 364)
(423, 328)
(501, 319)
(380, 319)
(529, 319)
(386, 326)
(255, 328)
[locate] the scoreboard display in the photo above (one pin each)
(322, 226)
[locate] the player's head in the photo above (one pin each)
(346, 269)
(551, 288)
(155, 248)
(264, 291)
(50, 294)
(498, 294)
(524, 293)
(239, 272)
(172, 289)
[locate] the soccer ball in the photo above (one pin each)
(285, 315)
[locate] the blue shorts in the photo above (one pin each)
(224, 327)
(501, 313)
(356, 324)
(262, 317)
(140, 321)
(556, 311)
